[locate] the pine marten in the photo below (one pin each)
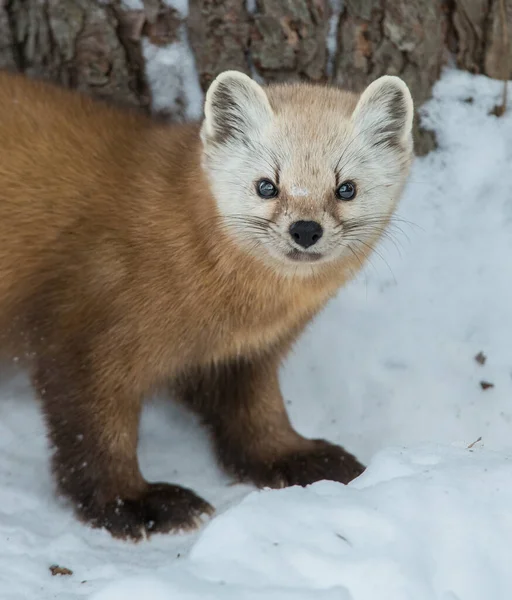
(136, 254)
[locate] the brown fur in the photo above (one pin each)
(116, 276)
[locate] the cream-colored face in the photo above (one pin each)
(304, 175)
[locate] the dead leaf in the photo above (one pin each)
(56, 570)
(485, 385)
(481, 358)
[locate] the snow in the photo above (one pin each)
(180, 5)
(171, 70)
(251, 6)
(172, 77)
(336, 7)
(132, 4)
(426, 524)
(388, 370)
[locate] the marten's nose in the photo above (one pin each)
(306, 233)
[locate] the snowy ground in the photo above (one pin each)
(389, 370)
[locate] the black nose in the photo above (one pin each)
(306, 233)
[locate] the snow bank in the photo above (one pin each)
(432, 523)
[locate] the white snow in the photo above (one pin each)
(180, 5)
(388, 369)
(336, 7)
(251, 6)
(171, 70)
(132, 4)
(172, 77)
(428, 524)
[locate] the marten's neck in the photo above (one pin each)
(178, 209)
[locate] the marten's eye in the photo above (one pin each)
(266, 189)
(346, 191)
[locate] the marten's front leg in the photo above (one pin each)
(241, 403)
(92, 408)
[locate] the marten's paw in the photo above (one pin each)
(163, 508)
(321, 461)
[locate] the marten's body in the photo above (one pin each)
(120, 271)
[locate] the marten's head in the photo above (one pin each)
(303, 174)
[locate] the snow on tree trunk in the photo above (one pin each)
(162, 54)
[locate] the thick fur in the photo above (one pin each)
(134, 254)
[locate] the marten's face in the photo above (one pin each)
(304, 175)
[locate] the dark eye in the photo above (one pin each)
(346, 191)
(266, 189)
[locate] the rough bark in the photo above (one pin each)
(89, 45)
(478, 25)
(98, 46)
(76, 43)
(394, 37)
(7, 50)
(288, 39)
(219, 35)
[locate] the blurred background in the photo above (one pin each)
(161, 55)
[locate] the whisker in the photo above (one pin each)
(385, 235)
(396, 219)
(379, 254)
(375, 232)
(361, 266)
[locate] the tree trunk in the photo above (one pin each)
(136, 52)
(77, 43)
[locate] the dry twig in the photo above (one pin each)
(474, 443)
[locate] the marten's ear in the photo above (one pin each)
(384, 113)
(236, 107)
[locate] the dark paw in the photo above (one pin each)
(322, 461)
(163, 508)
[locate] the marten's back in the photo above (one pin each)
(91, 197)
(55, 149)
(64, 160)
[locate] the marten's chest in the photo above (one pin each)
(209, 321)
(253, 325)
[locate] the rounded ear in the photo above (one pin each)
(385, 112)
(236, 107)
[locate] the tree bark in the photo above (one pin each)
(77, 43)
(101, 46)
